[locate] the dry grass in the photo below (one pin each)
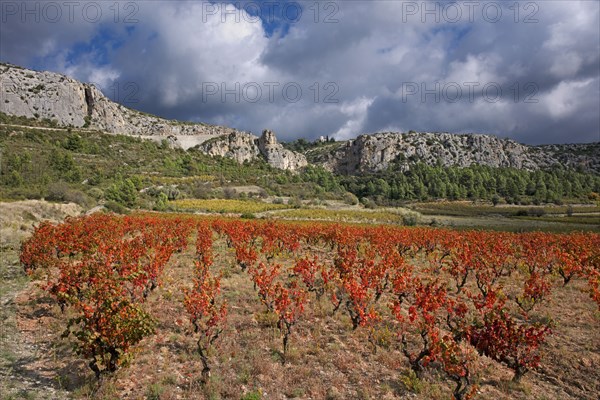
(19, 344)
(18, 218)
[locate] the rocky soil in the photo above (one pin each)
(21, 373)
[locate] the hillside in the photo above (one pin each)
(66, 102)
(56, 97)
(379, 151)
(91, 167)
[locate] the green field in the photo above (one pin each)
(470, 209)
(468, 215)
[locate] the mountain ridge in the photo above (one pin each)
(48, 95)
(379, 151)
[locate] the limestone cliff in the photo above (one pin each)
(246, 147)
(239, 145)
(48, 95)
(69, 102)
(369, 153)
(277, 156)
(42, 95)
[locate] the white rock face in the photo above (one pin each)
(34, 94)
(41, 95)
(239, 145)
(246, 147)
(277, 156)
(376, 152)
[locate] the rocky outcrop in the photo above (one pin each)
(238, 145)
(370, 153)
(247, 147)
(48, 95)
(277, 156)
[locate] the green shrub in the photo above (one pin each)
(202, 191)
(368, 203)
(383, 337)
(155, 391)
(569, 210)
(350, 199)
(60, 191)
(294, 202)
(74, 143)
(116, 207)
(266, 319)
(412, 382)
(161, 202)
(229, 193)
(78, 197)
(28, 192)
(536, 212)
(123, 192)
(410, 219)
(96, 193)
(14, 179)
(57, 191)
(171, 192)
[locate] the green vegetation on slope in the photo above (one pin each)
(14, 120)
(477, 182)
(85, 167)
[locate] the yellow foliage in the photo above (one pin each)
(342, 215)
(225, 206)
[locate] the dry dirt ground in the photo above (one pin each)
(327, 360)
(17, 349)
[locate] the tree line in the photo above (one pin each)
(477, 182)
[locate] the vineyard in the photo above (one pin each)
(356, 215)
(318, 310)
(225, 206)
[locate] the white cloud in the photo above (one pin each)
(176, 47)
(480, 68)
(566, 65)
(566, 98)
(356, 112)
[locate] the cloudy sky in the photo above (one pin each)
(527, 70)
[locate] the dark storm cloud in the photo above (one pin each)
(353, 62)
